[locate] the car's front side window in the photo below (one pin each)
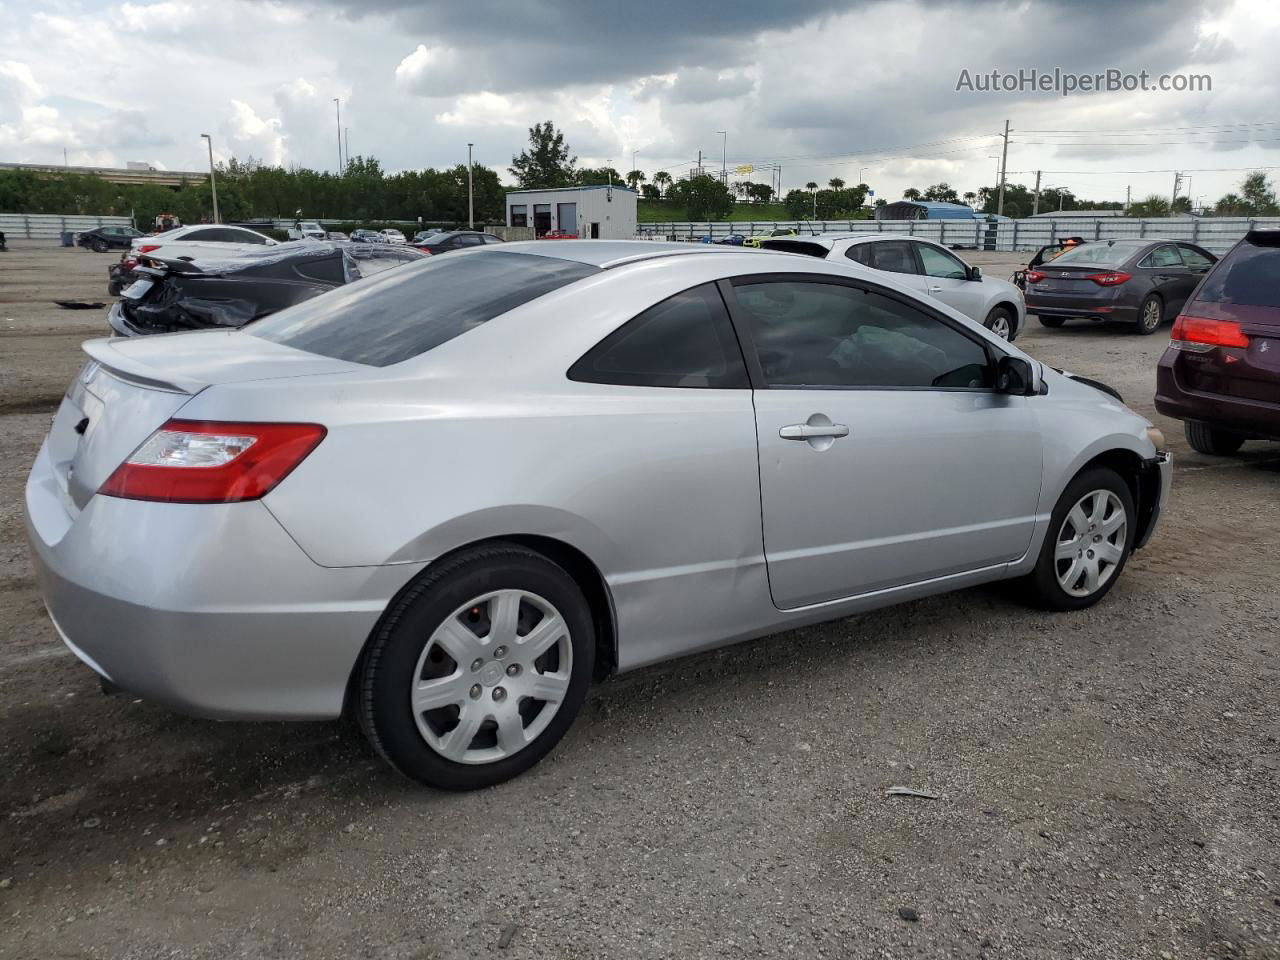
(685, 341)
(939, 263)
(814, 334)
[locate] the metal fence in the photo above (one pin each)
(1216, 234)
(50, 226)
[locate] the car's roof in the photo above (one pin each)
(611, 253)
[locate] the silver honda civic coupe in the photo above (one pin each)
(449, 497)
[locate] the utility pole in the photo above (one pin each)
(346, 136)
(724, 155)
(1127, 190)
(699, 163)
(213, 183)
(1177, 180)
(1004, 162)
(337, 106)
(1035, 207)
(471, 206)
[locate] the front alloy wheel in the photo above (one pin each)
(1000, 323)
(1090, 536)
(1090, 543)
(478, 668)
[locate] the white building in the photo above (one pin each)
(596, 212)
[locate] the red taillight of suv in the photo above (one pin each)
(1205, 333)
(1112, 278)
(1033, 276)
(203, 461)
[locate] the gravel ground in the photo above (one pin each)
(1106, 781)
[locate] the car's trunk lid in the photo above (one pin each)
(131, 387)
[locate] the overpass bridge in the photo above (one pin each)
(162, 178)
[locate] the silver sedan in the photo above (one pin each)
(449, 497)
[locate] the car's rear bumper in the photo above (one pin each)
(1255, 419)
(210, 609)
(1094, 309)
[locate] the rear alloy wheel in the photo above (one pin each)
(1051, 322)
(478, 669)
(1000, 322)
(1211, 440)
(100, 246)
(1089, 539)
(1150, 314)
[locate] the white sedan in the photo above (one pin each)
(924, 267)
(392, 235)
(201, 240)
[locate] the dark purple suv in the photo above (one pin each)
(1221, 373)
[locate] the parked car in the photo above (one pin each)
(102, 239)
(1139, 282)
(456, 240)
(1221, 372)
(337, 235)
(174, 295)
(430, 499)
(392, 235)
(732, 240)
(200, 240)
(1041, 256)
(926, 267)
(367, 236)
(559, 235)
(780, 232)
(307, 230)
(422, 235)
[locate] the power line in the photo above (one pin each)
(1207, 126)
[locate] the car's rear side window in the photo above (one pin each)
(685, 341)
(405, 312)
(1249, 275)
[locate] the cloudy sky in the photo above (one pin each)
(824, 89)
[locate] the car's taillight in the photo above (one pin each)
(1034, 276)
(148, 247)
(425, 249)
(205, 461)
(1205, 333)
(1112, 278)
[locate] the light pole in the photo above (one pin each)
(471, 207)
(724, 155)
(337, 106)
(213, 183)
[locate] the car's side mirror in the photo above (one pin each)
(975, 273)
(1015, 377)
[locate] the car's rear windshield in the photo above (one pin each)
(1102, 254)
(1249, 275)
(796, 246)
(405, 312)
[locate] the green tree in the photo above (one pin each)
(911, 193)
(835, 183)
(941, 193)
(663, 180)
(705, 198)
(1257, 192)
(1230, 205)
(591, 176)
(635, 178)
(760, 192)
(1153, 206)
(811, 186)
(650, 192)
(547, 162)
(799, 204)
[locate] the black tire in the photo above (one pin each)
(1010, 321)
(99, 246)
(1211, 440)
(1051, 322)
(1042, 584)
(1150, 315)
(383, 707)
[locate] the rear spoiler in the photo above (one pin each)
(125, 368)
(1262, 237)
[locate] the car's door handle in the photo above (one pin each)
(812, 431)
(935, 289)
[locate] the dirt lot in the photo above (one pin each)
(1107, 780)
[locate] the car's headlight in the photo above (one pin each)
(1156, 436)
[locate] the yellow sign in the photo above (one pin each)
(744, 169)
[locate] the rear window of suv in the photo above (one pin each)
(1249, 275)
(405, 312)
